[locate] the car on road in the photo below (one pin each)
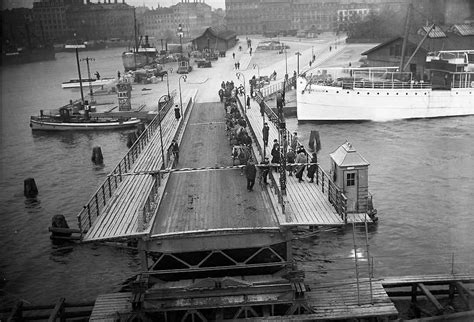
(203, 63)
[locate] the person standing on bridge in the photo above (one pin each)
(262, 108)
(265, 131)
(251, 174)
(313, 167)
(300, 160)
(174, 148)
(248, 102)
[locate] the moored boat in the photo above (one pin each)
(66, 120)
(381, 94)
(75, 83)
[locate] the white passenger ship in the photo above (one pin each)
(382, 94)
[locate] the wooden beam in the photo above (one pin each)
(58, 309)
(449, 317)
(430, 296)
(16, 312)
(467, 298)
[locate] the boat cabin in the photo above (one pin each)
(349, 172)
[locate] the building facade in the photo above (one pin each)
(59, 20)
(163, 23)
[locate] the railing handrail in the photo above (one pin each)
(85, 217)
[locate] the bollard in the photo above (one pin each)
(140, 128)
(59, 227)
(30, 189)
(132, 137)
(97, 157)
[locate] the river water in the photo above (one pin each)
(421, 176)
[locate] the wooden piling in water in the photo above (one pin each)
(30, 190)
(132, 137)
(97, 156)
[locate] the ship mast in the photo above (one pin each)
(405, 36)
(135, 36)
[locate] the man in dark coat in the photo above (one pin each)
(265, 132)
(265, 170)
(262, 108)
(313, 167)
(290, 159)
(174, 148)
(275, 154)
(248, 102)
(250, 173)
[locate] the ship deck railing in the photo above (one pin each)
(92, 209)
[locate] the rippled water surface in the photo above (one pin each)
(421, 175)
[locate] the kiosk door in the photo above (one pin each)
(350, 189)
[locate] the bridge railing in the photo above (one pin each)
(153, 201)
(273, 88)
(334, 194)
(92, 209)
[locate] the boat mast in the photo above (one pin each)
(87, 59)
(405, 36)
(135, 36)
(76, 47)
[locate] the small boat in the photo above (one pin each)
(75, 83)
(382, 94)
(67, 121)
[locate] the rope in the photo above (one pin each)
(154, 172)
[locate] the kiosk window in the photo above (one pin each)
(350, 179)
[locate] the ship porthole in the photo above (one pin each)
(387, 93)
(378, 93)
(406, 93)
(337, 92)
(347, 92)
(368, 93)
(358, 93)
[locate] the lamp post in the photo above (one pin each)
(258, 69)
(238, 74)
(286, 63)
(180, 35)
(161, 133)
(167, 84)
(179, 85)
(298, 54)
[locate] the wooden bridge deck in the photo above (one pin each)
(210, 200)
(306, 203)
(120, 216)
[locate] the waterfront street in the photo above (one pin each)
(420, 174)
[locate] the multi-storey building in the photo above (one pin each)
(267, 16)
(101, 21)
(243, 16)
(51, 16)
(59, 20)
(163, 23)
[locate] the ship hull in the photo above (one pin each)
(45, 125)
(331, 103)
(133, 61)
(95, 83)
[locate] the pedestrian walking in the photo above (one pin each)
(275, 154)
(265, 131)
(223, 85)
(248, 102)
(290, 159)
(250, 51)
(265, 169)
(233, 55)
(221, 94)
(118, 75)
(313, 167)
(174, 148)
(294, 141)
(238, 65)
(177, 113)
(250, 173)
(300, 158)
(262, 108)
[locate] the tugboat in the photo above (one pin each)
(70, 118)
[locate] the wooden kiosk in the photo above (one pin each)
(349, 172)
